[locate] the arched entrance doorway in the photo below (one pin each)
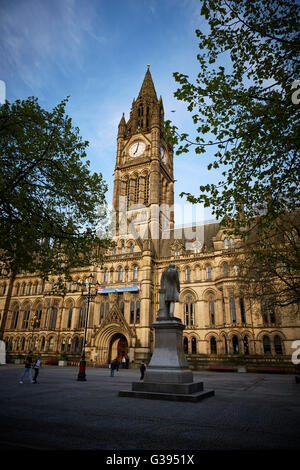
(118, 348)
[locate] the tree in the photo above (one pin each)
(246, 115)
(242, 101)
(48, 196)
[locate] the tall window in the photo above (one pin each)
(231, 242)
(135, 272)
(213, 345)
(70, 317)
(242, 309)
(277, 345)
(266, 345)
(208, 271)
(101, 312)
(235, 344)
(226, 243)
(15, 317)
(194, 345)
(54, 317)
(122, 307)
(267, 312)
(189, 310)
(81, 317)
(47, 317)
(50, 343)
(106, 275)
(211, 310)
(135, 311)
(131, 248)
(187, 274)
(43, 343)
(120, 274)
(107, 308)
(38, 316)
(26, 317)
(185, 345)
(232, 309)
(246, 345)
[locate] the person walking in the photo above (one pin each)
(27, 369)
(123, 362)
(142, 369)
(36, 367)
(113, 366)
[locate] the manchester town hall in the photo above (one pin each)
(223, 328)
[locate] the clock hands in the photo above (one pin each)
(137, 148)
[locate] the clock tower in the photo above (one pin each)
(143, 180)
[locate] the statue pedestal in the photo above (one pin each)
(168, 377)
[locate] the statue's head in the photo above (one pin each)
(172, 265)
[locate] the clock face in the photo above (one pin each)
(163, 154)
(137, 149)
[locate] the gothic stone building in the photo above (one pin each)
(223, 328)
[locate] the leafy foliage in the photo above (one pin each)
(48, 196)
(245, 119)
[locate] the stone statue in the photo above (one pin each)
(169, 291)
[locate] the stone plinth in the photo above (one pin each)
(168, 376)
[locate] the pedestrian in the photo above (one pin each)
(36, 367)
(123, 362)
(117, 364)
(27, 369)
(113, 366)
(142, 369)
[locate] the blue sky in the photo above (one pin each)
(97, 52)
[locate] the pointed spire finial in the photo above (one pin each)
(148, 88)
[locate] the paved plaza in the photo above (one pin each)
(248, 411)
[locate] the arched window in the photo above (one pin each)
(187, 274)
(266, 345)
(24, 289)
(246, 345)
(120, 274)
(106, 275)
(50, 343)
(17, 289)
(185, 345)
(131, 248)
(122, 247)
(43, 343)
(189, 310)
(213, 345)
(76, 344)
(226, 243)
(38, 316)
(122, 307)
(36, 288)
(69, 345)
(26, 317)
(236, 269)
(235, 344)
(277, 345)
(211, 310)
(101, 312)
(232, 309)
(70, 317)
(81, 317)
(231, 242)
(47, 317)
(107, 309)
(135, 272)
(132, 312)
(54, 317)
(15, 317)
(242, 310)
(194, 345)
(71, 286)
(23, 344)
(137, 312)
(208, 271)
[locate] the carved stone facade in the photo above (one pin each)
(222, 326)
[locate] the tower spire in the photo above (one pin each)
(148, 89)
